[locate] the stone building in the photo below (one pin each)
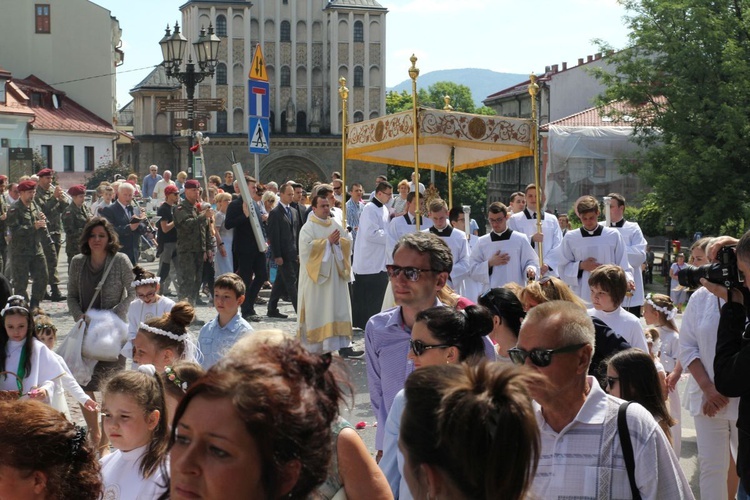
(308, 45)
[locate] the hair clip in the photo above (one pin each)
(172, 377)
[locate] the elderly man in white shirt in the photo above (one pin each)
(158, 197)
(581, 453)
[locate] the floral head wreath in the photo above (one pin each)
(191, 352)
(172, 377)
(9, 306)
(146, 281)
(668, 313)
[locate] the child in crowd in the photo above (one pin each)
(46, 333)
(660, 311)
(654, 344)
(148, 304)
(177, 379)
(219, 335)
(107, 197)
(608, 286)
(33, 365)
(162, 341)
(135, 420)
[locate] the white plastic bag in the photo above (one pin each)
(70, 350)
(105, 336)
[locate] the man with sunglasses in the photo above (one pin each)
(581, 454)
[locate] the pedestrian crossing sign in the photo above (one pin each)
(258, 135)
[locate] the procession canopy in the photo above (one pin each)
(478, 140)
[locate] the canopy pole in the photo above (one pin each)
(449, 171)
(534, 90)
(413, 74)
(344, 93)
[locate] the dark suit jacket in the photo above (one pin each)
(130, 240)
(244, 240)
(282, 233)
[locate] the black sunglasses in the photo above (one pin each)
(410, 273)
(611, 381)
(540, 357)
(418, 347)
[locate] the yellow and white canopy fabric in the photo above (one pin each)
(478, 140)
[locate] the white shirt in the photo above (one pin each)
(522, 258)
(636, 244)
(122, 479)
(625, 325)
(525, 223)
(139, 312)
(585, 460)
(397, 227)
(158, 193)
(369, 249)
(459, 245)
(698, 341)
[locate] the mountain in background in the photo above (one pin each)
(482, 82)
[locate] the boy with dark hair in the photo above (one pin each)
(220, 334)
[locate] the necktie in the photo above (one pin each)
(130, 210)
(289, 214)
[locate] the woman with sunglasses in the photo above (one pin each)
(441, 335)
(632, 376)
(507, 315)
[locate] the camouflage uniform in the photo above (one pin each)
(3, 229)
(53, 210)
(192, 243)
(74, 220)
(26, 252)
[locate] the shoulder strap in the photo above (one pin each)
(101, 283)
(627, 447)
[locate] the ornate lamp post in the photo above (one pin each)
(206, 49)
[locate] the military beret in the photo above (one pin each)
(192, 184)
(77, 189)
(26, 186)
(3, 178)
(45, 172)
(171, 189)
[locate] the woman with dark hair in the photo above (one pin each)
(469, 432)
(99, 256)
(441, 335)
(275, 407)
(507, 315)
(631, 375)
(45, 456)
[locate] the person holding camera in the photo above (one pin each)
(732, 361)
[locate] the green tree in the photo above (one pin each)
(685, 76)
(395, 102)
(107, 171)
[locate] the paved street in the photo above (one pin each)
(359, 408)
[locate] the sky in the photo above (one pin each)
(510, 36)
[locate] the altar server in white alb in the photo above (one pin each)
(636, 248)
(402, 224)
(591, 246)
(551, 236)
(370, 278)
(469, 288)
(454, 238)
(503, 256)
(325, 314)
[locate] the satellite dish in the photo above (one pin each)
(55, 101)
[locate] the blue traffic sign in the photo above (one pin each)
(258, 97)
(258, 135)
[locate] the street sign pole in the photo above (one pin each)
(259, 92)
(257, 167)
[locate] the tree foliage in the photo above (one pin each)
(685, 73)
(106, 171)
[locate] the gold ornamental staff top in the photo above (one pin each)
(413, 74)
(344, 93)
(533, 91)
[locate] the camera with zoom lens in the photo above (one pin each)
(724, 272)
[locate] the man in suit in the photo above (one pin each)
(250, 262)
(283, 227)
(119, 214)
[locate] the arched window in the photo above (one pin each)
(286, 31)
(359, 31)
(358, 117)
(221, 122)
(286, 77)
(359, 76)
(301, 122)
(221, 74)
(221, 25)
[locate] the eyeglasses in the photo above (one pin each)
(410, 273)
(611, 381)
(144, 296)
(418, 347)
(540, 357)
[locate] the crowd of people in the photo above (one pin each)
(524, 363)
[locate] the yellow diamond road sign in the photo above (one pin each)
(258, 67)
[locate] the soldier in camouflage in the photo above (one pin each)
(53, 203)
(3, 226)
(74, 219)
(28, 228)
(193, 243)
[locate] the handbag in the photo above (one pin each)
(70, 350)
(105, 333)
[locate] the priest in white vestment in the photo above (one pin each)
(325, 313)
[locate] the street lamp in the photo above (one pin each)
(667, 261)
(206, 49)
